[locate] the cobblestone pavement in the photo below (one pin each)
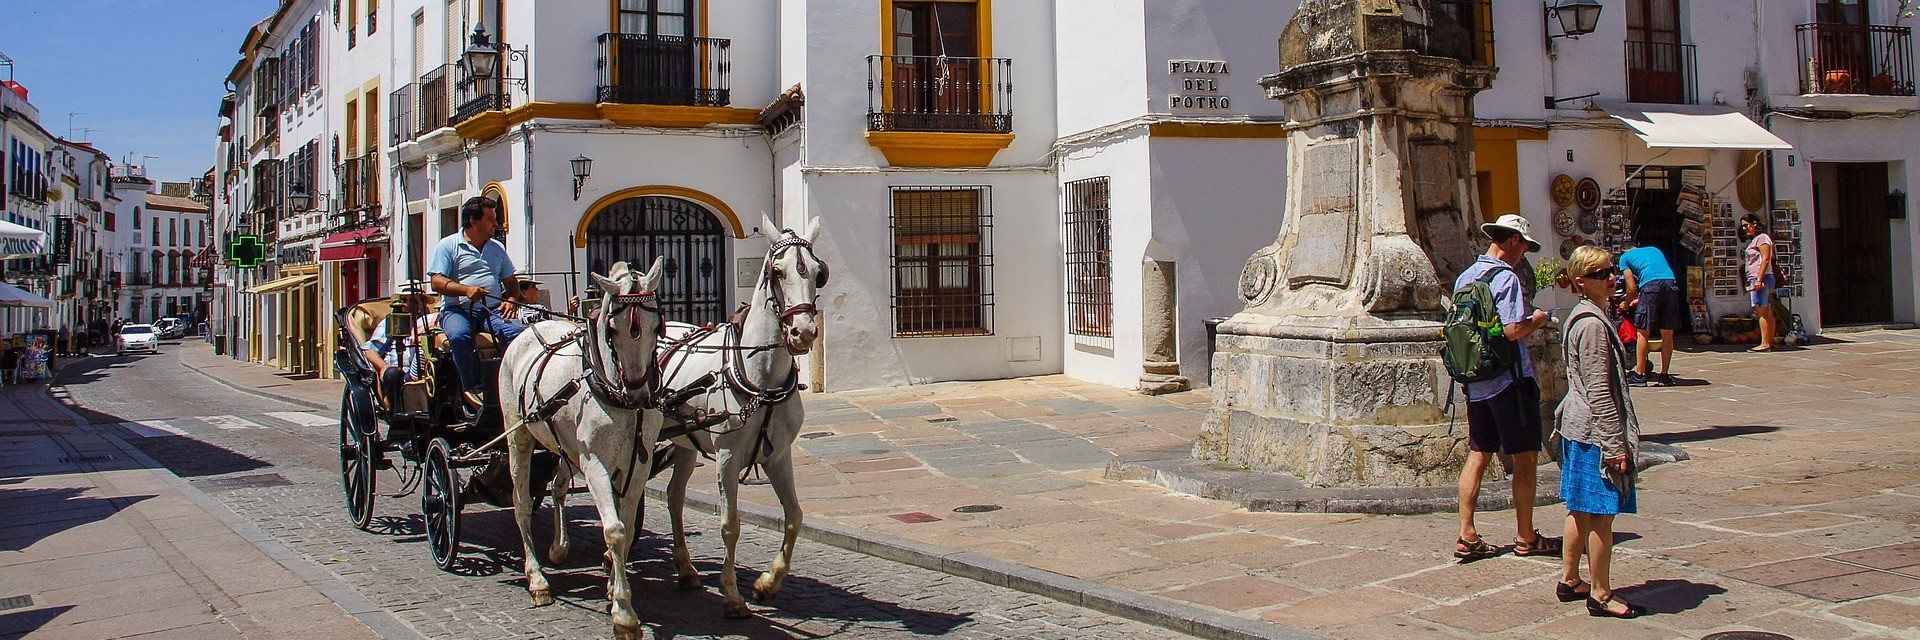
(274, 464)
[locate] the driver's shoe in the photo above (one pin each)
(473, 401)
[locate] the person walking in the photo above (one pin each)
(1503, 412)
(1654, 294)
(1760, 278)
(1597, 435)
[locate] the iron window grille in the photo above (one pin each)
(1089, 259)
(1476, 16)
(942, 261)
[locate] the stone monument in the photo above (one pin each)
(1332, 371)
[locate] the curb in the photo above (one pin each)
(1133, 605)
(289, 399)
(377, 619)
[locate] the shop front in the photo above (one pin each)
(293, 303)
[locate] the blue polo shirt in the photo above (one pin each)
(1646, 264)
(485, 267)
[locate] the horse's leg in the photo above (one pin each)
(729, 462)
(683, 464)
(520, 466)
(780, 474)
(562, 481)
(616, 511)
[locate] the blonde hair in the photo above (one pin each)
(1585, 260)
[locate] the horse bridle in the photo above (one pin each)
(630, 392)
(774, 252)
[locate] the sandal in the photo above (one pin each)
(1760, 349)
(1571, 592)
(1539, 546)
(1476, 550)
(1598, 608)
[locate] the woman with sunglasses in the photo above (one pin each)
(1597, 436)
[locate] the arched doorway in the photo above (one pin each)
(694, 278)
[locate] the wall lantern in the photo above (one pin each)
(300, 200)
(582, 167)
(1897, 205)
(1577, 18)
(482, 57)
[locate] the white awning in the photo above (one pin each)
(12, 296)
(21, 241)
(1682, 127)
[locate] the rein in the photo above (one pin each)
(625, 391)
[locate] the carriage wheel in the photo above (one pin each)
(357, 468)
(440, 504)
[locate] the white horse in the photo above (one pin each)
(585, 393)
(740, 381)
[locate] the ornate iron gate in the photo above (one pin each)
(694, 286)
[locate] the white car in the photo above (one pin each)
(137, 336)
(170, 328)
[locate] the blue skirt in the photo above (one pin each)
(1585, 487)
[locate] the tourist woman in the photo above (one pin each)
(1598, 434)
(1760, 278)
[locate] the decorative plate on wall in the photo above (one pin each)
(1590, 221)
(1568, 245)
(1563, 222)
(1587, 194)
(1563, 190)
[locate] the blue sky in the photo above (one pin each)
(145, 75)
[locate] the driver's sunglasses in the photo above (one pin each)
(1602, 274)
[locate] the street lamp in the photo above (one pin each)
(482, 58)
(300, 200)
(582, 167)
(1577, 18)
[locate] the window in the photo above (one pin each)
(942, 261)
(136, 217)
(173, 232)
(373, 16)
(1089, 259)
(353, 19)
(1659, 64)
(109, 219)
(1476, 16)
(656, 17)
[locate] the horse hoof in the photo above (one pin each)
(542, 598)
(736, 609)
(691, 582)
(629, 633)
(765, 588)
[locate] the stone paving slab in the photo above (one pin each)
(1796, 455)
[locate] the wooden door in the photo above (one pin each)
(937, 75)
(1843, 59)
(654, 58)
(1856, 257)
(1655, 71)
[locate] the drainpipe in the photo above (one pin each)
(526, 197)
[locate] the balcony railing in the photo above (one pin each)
(1661, 72)
(400, 106)
(477, 98)
(359, 182)
(436, 93)
(668, 70)
(939, 93)
(1860, 59)
(136, 279)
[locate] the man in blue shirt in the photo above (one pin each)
(466, 267)
(1503, 413)
(1655, 296)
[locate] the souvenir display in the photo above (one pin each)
(1587, 194)
(1568, 245)
(1590, 222)
(1563, 190)
(1563, 222)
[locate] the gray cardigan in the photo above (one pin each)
(1597, 409)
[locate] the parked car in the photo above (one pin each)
(137, 336)
(170, 328)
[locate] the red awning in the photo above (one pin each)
(351, 245)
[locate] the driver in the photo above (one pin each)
(466, 268)
(396, 359)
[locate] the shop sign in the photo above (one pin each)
(62, 240)
(1197, 85)
(298, 252)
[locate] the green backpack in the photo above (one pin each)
(1476, 346)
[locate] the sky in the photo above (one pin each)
(145, 75)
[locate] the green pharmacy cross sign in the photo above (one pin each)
(247, 251)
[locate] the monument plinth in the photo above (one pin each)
(1332, 372)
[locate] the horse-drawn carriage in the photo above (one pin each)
(446, 451)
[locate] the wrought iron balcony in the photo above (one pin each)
(1858, 59)
(664, 70)
(477, 98)
(939, 93)
(400, 105)
(1661, 72)
(436, 98)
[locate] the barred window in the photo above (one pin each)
(942, 261)
(1089, 259)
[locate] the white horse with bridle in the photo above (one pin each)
(731, 393)
(587, 392)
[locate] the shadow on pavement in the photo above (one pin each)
(1715, 432)
(17, 624)
(1670, 596)
(52, 512)
(185, 456)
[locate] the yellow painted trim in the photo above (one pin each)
(938, 148)
(1216, 130)
(486, 126)
(492, 124)
(498, 192)
(1509, 133)
(703, 198)
(1496, 168)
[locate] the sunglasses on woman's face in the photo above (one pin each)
(1602, 274)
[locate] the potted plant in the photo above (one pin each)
(1881, 84)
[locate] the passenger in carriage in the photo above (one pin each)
(467, 267)
(524, 307)
(396, 359)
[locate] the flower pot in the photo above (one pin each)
(1838, 81)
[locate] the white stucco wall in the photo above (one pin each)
(1874, 140)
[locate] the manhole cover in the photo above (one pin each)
(915, 517)
(977, 508)
(99, 458)
(16, 602)
(943, 419)
(255, 481)
(816, 434)
(1746, 635)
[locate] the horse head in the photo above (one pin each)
(794, 276)
(628, 320)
